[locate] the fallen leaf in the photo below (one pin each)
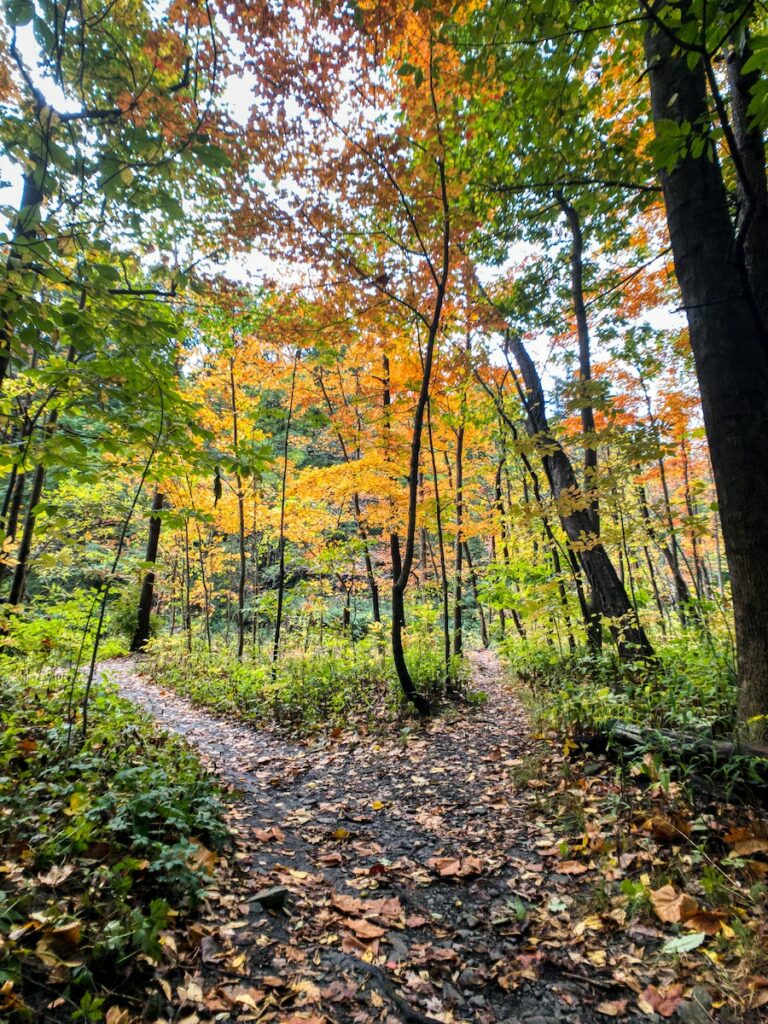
(748, 847)
(613, 1007)
(365, 929)
(663, 1001)
(705, 921)
(202, 859)
(672, 906)
(117, 1015)
(684, 944)
(447, 867)
(571, 867)
(346, 904)
(56, 875)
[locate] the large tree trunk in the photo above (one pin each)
(141, 635)
(729, 349)
(607, 588)
(753, 191)
(23, 234)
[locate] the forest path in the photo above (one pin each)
(418, 866)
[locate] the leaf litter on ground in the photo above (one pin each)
(463, 871)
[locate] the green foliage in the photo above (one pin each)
(691, 686)
(331, 681)
(99, 837)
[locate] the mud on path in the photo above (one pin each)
(417, 867)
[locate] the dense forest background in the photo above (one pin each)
(339, 339)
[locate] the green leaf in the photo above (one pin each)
(19, 12)
(684, 944)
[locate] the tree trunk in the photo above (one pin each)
(19, 582)
(752, 228)
(23, 233)
(188, 588)
(281, 539)
(610, 595)
(441, 547)
(480, 611)
(729, 349)
(459, 545)
(141, 634)
(240, 517)
(12, 524)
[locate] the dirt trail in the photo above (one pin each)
(410, 862)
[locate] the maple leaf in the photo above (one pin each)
(671, 906)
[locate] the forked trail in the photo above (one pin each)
(419, 868)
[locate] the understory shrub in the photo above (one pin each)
(315, 684)
(102, 840)
(690, 686)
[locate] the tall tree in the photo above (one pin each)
(726, 325)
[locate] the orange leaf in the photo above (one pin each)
(571, 867)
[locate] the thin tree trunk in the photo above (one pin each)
(187, 587)
(240, 516)
(473, 580)
(440, 546)
(144, 615)
(281, 540)
(23, 233)
(459, 544)
(12, 523)
(19, 581)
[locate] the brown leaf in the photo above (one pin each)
(117, 1015)
(346, 904)
(202, 859)
(365, 929)
(663, 1001)
(571, 867)
(613, 1007)
(671, 906)
(668, 831)
(748, 847)
(446, 867)
(56, 875)
(705, 921)
(266, 835)
(65, 937)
